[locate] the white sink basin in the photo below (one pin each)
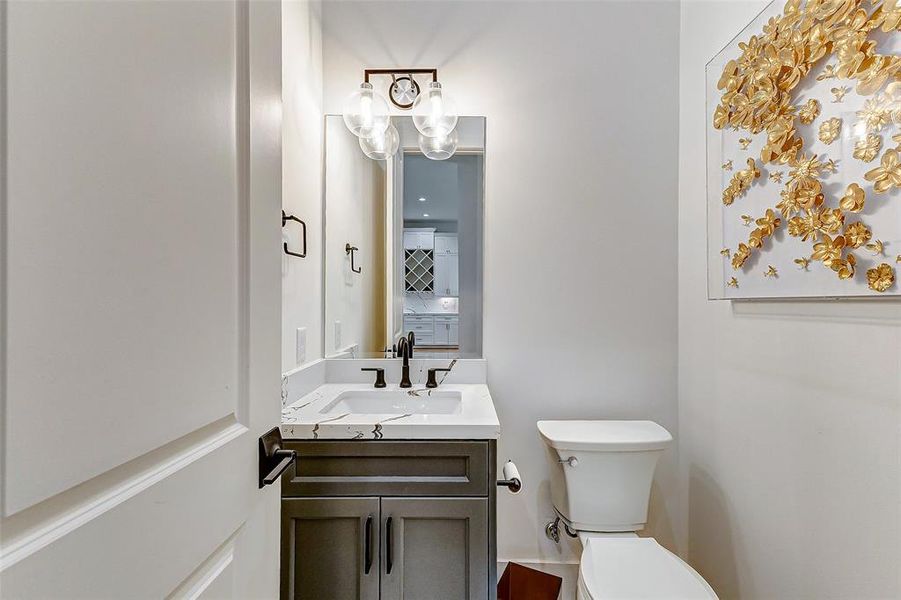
(395, 402)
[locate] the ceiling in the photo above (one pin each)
(439, 182)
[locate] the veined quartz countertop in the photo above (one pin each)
(313, 415)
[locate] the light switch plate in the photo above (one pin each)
(300, 355)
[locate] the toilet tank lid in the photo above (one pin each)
(623, 436)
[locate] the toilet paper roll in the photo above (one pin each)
(510, 473)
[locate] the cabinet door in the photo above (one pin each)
(330, 548)
(447, 275)
(453, 276)
(435, 548)
(426, 240)
(453, 333)
(441, 332)
(442, 281)
(445, 243)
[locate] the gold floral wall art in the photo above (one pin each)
(804, 153)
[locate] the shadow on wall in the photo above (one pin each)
(660, 524)
(446, 21)
(708, 518)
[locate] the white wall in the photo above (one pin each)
(790, 412)
(580, 271)
(302, 176)
(355, 215)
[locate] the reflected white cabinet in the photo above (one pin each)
(447, 265)
(434, 330)
(445, 243)
(419, 239)
(447, 275)
(447, 331)
(422, 326)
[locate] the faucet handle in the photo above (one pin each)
(379, 376)
(432, 382)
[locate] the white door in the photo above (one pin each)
(140, 289)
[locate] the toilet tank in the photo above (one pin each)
(601, 471)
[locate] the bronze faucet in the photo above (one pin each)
(405, 350)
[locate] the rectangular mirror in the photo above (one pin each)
(403, 245)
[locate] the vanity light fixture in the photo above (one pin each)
(381, 146)
(438, 148)
(366, 114)
(434, 114)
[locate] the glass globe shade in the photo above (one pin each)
(439, 148)
(366, 112)
(381, 146)
(434, 114)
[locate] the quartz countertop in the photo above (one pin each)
(309, 417)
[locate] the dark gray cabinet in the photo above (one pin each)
(330, 548)
(435, 548)
(420, 515)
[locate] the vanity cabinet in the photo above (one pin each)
(439, 548)
(330, 548)
(390, 520)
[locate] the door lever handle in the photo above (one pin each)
(274, 460)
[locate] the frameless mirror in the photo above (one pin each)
(404, 243)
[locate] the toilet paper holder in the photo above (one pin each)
(511, 480)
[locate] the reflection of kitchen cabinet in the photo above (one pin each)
(447, 331)
(416, 239)
(447, 275)
(422, 327)
(445, 243)
(434, 330)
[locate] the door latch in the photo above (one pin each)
(274, 460)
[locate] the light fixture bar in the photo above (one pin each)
(397, 71)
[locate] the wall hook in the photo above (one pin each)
(348, 249)
(285, 219)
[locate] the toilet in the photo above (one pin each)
(601, 473)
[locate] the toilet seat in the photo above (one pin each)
(625, 568)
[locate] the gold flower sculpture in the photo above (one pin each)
(881, 278)
(867, 148)
(830, 130)
(757, 96)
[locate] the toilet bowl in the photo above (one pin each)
(601, 473)
(630, 567)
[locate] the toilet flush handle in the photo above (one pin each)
(572, 461)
